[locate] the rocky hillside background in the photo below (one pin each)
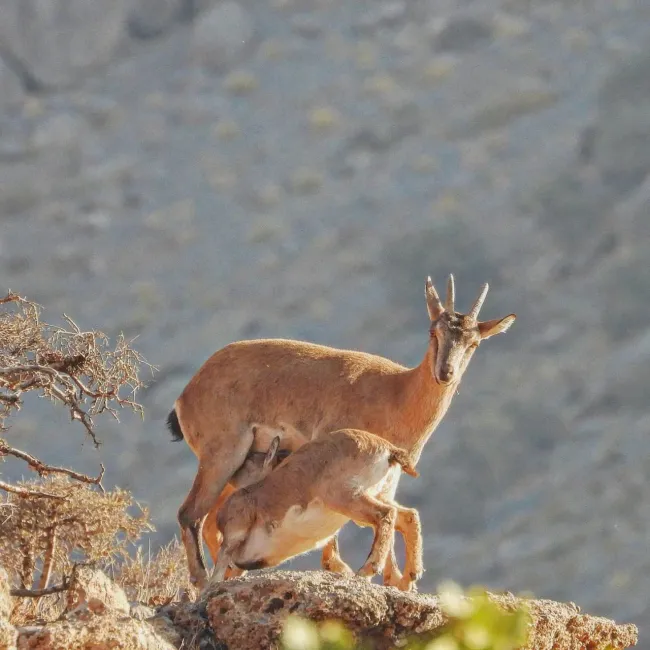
(194, 172)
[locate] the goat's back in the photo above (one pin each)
(311, 387)
(347, 455)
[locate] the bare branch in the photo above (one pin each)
(43, 469)
(10, 297)
(38, 593)
(23, 492)
(77, 412)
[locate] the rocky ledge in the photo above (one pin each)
(248, 613)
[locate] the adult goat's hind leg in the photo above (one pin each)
(216, 467)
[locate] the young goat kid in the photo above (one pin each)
(311, 495)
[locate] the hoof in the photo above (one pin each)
(393, 579)
(368, 570)
(406, 584)
(342, 569)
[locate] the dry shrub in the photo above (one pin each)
(69, 366)
(42, 538)
(49, 525)
(156, 579)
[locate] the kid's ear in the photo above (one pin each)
(273, 450)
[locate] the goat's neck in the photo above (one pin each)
(424, 403)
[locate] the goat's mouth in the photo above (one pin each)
(443, 380)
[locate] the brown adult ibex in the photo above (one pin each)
(305, 501)
(308, 390)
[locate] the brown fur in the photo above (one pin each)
(306, 391)
(339, 474)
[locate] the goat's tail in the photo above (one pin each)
(174, 426)
(403, 459)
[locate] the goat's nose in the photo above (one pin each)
(447, 372)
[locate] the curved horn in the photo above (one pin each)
(479, 302)
(451, 294)
(434, 306)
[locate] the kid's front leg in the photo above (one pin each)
(331, 559)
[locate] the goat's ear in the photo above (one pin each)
(489, 328)
(273, 450)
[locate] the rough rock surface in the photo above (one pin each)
(248, 613)
(8, 635)
(95, 589)
(94, 632)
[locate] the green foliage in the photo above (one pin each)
(302, 634)
(474, 622)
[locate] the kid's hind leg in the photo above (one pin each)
(408, 524)
(392, 575)
(369, 511)
(331, 559)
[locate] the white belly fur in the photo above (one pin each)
(302, 530)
